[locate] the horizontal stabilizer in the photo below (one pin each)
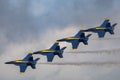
(63, 48)
(37, 59)
(88, 35)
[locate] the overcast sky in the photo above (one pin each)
(32, 25)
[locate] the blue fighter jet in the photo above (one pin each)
(50, 53)
(103, 28)
(75, 40)
(23, 64)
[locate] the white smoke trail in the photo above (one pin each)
(84, 64)
(113, 51)
(113, 38)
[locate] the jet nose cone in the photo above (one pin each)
(60, 40)
(10, 62)
(7, 62)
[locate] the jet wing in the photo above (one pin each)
(79, 33)
(75, 44)
(55, 46)
(23, 68)
(105, 23)
(28, 57)
(50, 57)
(101, 33)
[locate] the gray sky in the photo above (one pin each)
(31, 25)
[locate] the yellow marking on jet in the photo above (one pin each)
(21, 72)
(74, 48)
(72, 38)
(82, 28)
(100, 28)
(48, 51)
(107, 18)
(31, 52)
(20, 61)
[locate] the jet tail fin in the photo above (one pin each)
(63, 48)
(37, 59)
(34, 63)
(33, 66)
(55, 46)
(113, 26)
(82, 35)
(85, 40)
(111, 30)
(88, 35)
(60, 53)
(106, 21)
(81, 32)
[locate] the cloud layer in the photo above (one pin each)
(27, 26)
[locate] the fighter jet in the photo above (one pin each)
(75, 40)
(103, 28)
(23, 64)
(50, 53)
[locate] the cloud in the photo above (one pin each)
(48, 72)
(28, 26)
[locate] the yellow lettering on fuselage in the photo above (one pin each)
(74, 48)
(48, 51)
(100, 28)
(107, 18)
(21, 72)
(82, 29)
(73, 38)
(21, 61)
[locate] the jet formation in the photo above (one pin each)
(56, 50)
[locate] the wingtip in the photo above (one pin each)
(21, 72)
(82, 28)
(107, 18)
(74, 48)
